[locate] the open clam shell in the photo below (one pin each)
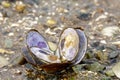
(71, 49)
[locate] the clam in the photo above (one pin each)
(71, 49)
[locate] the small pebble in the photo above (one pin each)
(116, 69)
(84, 16)
(61, 10)
(18, 72)
(7, 13)
(109, 73)
(3, 61)
(11, 34)
(4, 70)
(89, 55)
(95, 44)
(8, 43)
(5, 4)
(114, 54)
(116, 42)
(2, 51)
(101, 55)
(110, 31)
(20, 6)
(101, 17)
(1, 17)
(78, 68)
(51, 22)
(48, 31)
(52, 46)
(95, 67)
(103, 42)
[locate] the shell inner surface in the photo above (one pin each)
(44, 55)
(35, 39)
(69, 44)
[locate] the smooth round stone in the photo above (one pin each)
(116, 69)
(103, 56)
(8, 43)
(52, 46)
(20, 6)
(109, 73)
(110, 31)
(5, 4)
(114, 54)
(84, 16)
(95, 67)
(3, 61)
(51, 23)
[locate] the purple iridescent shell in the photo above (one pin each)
(34, 39)
(38, 46)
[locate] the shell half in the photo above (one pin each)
(39, 48)
(73, 45)
(69, 44)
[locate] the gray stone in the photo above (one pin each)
(8, 43)
(95, 67)
(116, 69)
(109, 73)
(3, 61)
(113, 54)
(110, 31)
